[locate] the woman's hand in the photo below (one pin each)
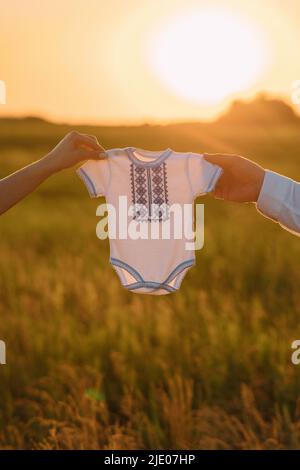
(241, 180)
(73, 149)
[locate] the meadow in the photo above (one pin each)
(92, 366)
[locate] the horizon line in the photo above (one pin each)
(152, 121)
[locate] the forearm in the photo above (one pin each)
(279, 200)
(16, 186)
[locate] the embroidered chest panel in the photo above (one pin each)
(149, 192)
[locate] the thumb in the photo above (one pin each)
(98, 155)
(92, 154)
(224, 161)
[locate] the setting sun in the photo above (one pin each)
(134, 62)
(206, 55)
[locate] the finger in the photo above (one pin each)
(85, 140)
(99, 156)
(219, 188)
(224, 161)
(92, 154)
(93, 137)
(218, 193)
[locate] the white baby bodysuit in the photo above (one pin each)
(156, 185)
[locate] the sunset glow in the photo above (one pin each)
(139, 61)
(205, 55)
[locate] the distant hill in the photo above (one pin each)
(260, 111)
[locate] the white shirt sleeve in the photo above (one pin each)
(279, 200)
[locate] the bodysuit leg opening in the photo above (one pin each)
(132, 280)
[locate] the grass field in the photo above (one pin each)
(92, 366)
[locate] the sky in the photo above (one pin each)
(137, 61)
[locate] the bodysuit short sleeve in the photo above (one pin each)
(95, 175)
(203, 175)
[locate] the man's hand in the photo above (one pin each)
(73, 149)
(241, 180)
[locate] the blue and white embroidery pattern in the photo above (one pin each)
(149, 192)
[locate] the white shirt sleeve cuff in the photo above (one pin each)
(273, 193)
